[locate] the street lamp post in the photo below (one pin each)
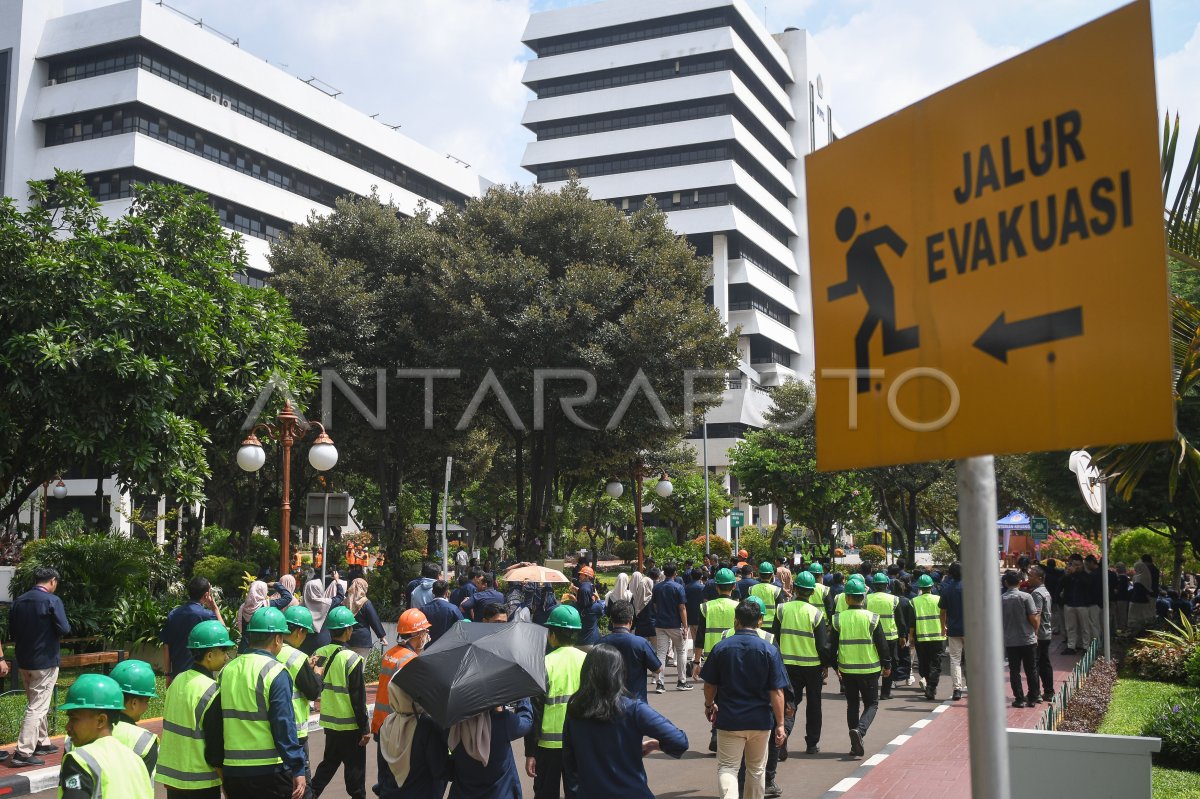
(287, 430)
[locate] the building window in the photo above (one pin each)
(741, 247)
(764, 350)
(744, 297)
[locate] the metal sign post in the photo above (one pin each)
(1104, 566)
(445, 509)
(988, 717)
(707, 547)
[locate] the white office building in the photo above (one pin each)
(695, 103)
(136, 92)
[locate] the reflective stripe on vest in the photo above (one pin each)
(763, 634)
(769, 595)
(117, 773)
(394, 659)
(929, 618)
(884, 605)
(337, 708)
(245, 684)
(719, 615)
(798, 622)
(181, 762)
(139, 740)
(856, 649)
(293, 660)
(817, 597)
(562, 681)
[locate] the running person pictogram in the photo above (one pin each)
(865, 272)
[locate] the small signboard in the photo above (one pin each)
(338, 510)
(737, 518)
(1039, 528)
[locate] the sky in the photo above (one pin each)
(449, 71)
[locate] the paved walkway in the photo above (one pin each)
(931, 759)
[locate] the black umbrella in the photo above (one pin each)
(475, 667)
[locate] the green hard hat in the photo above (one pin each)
(856, 586)
(339, 619)
(757, 601)
(766, 568)
(299, 616)
(725, 577)
(94, 692)
(816, 568)
(565, 617)
(135, 677)
(806, 580)
(924, 581)
(880, 579)
(209, 634)
(268, 620)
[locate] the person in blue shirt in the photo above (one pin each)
(671, 625)
(498, 778)
(604, 732)
(744, 685)
(483, 597)
(585, 602)
(746, 581)
(640, 658)
(710, 587)
(37, 622)
(694, 593)
(441, 614)
(952, 605)
(466, 587)
(174, 635)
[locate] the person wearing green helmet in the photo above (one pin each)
(193, 738)
(930, 635)
(343, 708)
(767, 592)
(862, 654)
(99, 766)
(263, 756)
(802, 630)
(136, 678)
(719, 616)
(544, 743)
(820, 593)
(764, 634)
(306, 684)
(886, 606)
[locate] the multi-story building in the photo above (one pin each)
(134, 92)
(696, 104)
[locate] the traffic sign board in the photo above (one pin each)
(736, 518)
(1039, 528)
(982, 260)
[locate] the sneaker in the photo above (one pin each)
(21, 761)
(660, 688)
(957, 695)
(1019, 702)
(931, 694)
(772, 790)
(856, 744)
(46, 749)
(813, 750)
(684, 686)
(909, 681)
(922, 683)
(4, 755)
(782, 755)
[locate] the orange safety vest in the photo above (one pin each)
(394, 659)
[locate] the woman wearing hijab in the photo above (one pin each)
(605, 727)
(366, 620)
(620, 591)
(256, 598)
(285, 593)
(319, 601)
(641, 590)
(481, 753)
(414, 761)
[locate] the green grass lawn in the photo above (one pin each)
(12, 708)
(1133, 701)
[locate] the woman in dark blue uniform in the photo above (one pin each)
(488, 735)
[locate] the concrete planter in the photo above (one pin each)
(151, 653)
(6, 577)
(1099, 765)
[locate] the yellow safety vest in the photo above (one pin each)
(840, 603)
(856, 649)
(884, 605)
(763, 634)
(798, 622)
(293, 660)
(769, 595)
(116, 771)
(929, 618)
(139, 740)
(817, 597)
(337, 708)
(181, 762)
(245, 687)
(562, 681)
(719, 616)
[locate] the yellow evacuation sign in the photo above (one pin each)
(989, 265)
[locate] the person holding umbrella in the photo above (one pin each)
(414, 759)
(543, 746)
(604, 730)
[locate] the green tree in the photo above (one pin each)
(128, 345)
(683, 511)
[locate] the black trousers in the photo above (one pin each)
(1044, 667)
(277, 785)
(1018, 657)
(200, 793)
(893, 645)
(864, 687)
(929, 662)
(550, 775)
(342, 749)
(806, 684)
(902, 667)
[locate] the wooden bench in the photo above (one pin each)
(107, 659)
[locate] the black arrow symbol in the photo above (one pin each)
(1002, 336)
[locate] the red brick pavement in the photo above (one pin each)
(935, 763)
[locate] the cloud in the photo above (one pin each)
(1178, 78)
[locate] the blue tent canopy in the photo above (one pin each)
(1015, 520)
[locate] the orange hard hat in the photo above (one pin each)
(743, 553)
(412, 622)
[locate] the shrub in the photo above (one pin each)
(1193, 668)
(626, 550)
(873, 553)
(1164, 663)
(1087, 707)
(96, 568)
(1177, 723)
(717, 545)
(678, 554)
(384, 593)
(136, 619)
(1062, 544)
(224, 573)
(1129, 547)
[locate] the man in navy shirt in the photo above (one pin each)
(36, 622)
(200, 607)
(440, 613)
(671, 624)
(636, 651)
(745, 582)
(746, 675)
(694, 591)
(486, 595)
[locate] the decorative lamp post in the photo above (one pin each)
(614, 489)
(59, 491)
(287, 430)
(663, 488)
